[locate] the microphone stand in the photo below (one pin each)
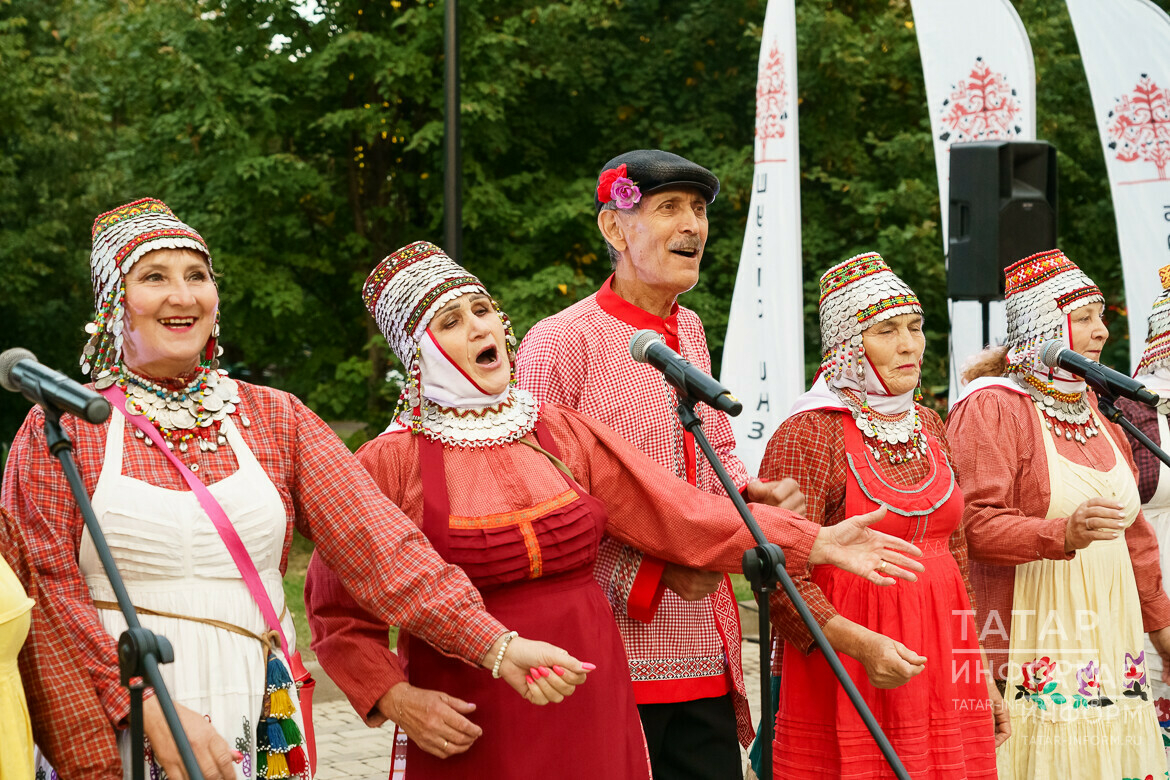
(764, 568)
(140, 650)
(1108, 406)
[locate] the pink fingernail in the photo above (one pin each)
(237, 756)
(529, 679)
(588, 666)
(545, 671)
(559, 670)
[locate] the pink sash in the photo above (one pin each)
(305, 683)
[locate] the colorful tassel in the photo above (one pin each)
(292, 734)
(262, 745)
(280, 704)
(297, 763)
(276, 740)
(277, 766)
(277, 675)
(261, 764)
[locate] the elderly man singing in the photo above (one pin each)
(680, 627)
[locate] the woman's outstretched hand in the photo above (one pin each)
(853, 546)
(538, 671)
(215, 758)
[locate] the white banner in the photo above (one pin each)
(763, 356)
(980, 86)
(1125, 46)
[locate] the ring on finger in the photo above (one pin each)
(881, 567)
(444, 744)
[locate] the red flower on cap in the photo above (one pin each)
(614, 183)
(606, 180)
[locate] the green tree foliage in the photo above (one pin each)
(304, 141)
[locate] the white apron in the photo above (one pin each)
(1078, 687)
(1157, 512)
(173, 560)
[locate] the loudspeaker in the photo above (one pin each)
(1002, 209)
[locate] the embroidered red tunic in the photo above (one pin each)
(580, 357)
(328, 497)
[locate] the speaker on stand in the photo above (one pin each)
(1002, 209)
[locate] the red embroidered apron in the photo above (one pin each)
(534, 568)
(939, 722)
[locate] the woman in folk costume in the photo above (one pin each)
(855, 442)
(1153, 371)
(1064, 565)
(519, 495)
(252, 454)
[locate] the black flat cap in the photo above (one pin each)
(654, 169)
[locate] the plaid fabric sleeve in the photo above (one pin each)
(1145, 419)
(1143, 551)
(380, 556)
(651, 509)
(993, 448)
(809, 448)
(63, 705)
(37, 494)
(352, 645)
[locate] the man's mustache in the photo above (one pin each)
(689, 245)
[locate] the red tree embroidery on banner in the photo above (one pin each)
(984, 107)
(1140, 126)
(771, 101)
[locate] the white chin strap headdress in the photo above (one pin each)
(121, 238)
(855, 295)
(403, 293)
(1042, 291)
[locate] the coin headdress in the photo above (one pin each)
(855, 295)
(403, 293)
(120, 239)
(1042, 292)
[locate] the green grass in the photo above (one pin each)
(743, 591)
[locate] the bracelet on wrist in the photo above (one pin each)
(508, 637)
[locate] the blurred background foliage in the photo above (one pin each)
(303, 140)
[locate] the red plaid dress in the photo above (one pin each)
(580, 357)
(810, 448)
(376, 551)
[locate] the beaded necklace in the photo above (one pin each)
(897, 437)
(1068, 413)
(192, 413)
(490, 426)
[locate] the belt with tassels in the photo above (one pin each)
(279, 742)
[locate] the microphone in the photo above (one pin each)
(1102, 378)
(647, 347)
(21, 373)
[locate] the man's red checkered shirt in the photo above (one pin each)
(580, 358)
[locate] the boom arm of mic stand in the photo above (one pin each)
(140, 650)
(768, 554)
(1114, 415)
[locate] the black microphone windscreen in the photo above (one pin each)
(8, 360)
(1049, 351)
(640, 343)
